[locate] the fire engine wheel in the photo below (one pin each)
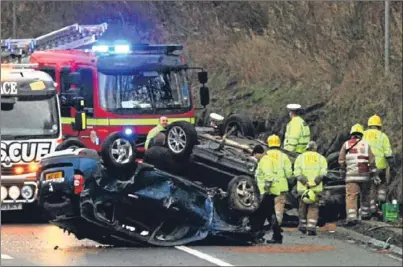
(180, 138)
(119, 151)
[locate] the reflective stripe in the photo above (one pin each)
(364, 208)
(118, 122)
(352, 216)
(372, 201)
(351, 210)
(312, 221)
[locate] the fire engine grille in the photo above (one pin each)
(15, 169)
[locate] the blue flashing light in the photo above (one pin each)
(122, 49)
(128, 131)
(100, 48)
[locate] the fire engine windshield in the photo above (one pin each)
(145, 92)
(27, 117)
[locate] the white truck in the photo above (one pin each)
(30, 128)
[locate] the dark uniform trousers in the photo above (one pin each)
(265, 211)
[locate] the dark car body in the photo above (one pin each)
(146, 206)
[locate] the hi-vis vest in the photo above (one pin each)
(297, 135)
(274, 166)
(380, 146)
(152, 133)
(310, 164)
(357, 161)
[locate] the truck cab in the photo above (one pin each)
(30, 128)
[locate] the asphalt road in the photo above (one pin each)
(24, 244)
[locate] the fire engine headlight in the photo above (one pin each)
(3, 193)
(27, 192)
(14, 192)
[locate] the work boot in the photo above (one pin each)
(275, 240)
(302, 229)
(351, 223)
(312, 232)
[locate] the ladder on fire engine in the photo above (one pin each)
(70, 37)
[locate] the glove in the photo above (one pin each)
(376, 180)
(318, 179)
(391, 162)
(302, 179)
(267, 185)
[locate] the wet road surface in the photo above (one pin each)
(44, 244)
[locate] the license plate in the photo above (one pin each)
(11, 206)
(53, 175)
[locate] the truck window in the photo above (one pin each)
(64, 86)
(87, 89)
(49, 70)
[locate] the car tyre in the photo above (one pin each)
(70, 144)
(181, 137)
(119, 152)
(243, 124)
(243, 194)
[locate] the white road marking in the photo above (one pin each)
(394, 257)
(6, 257)
(203, 256)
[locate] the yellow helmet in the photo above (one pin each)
(273, 140)
(375, 121)
(357, 128)
(308, 196)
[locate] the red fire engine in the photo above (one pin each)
(126, 87)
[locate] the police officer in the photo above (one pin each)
(380, 146)
(272, 172)
(357, 164)
(310, 168)
(297, 133)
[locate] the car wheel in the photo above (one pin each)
(243, 194)
(240, 124)
(70, 144)
(119, 151)
(181, 136)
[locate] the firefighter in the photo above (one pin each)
(258, 152)
(310, 168)
(163, 123)
(297, 133)
(380, 146)
(272, 172)
(358, 167)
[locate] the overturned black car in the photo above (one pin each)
(145, 205)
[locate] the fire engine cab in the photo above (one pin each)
(30, 128)
(126, 87)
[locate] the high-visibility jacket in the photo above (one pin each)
(154, 131)
(297, 135)
(276, 167)
(310, 164)
(358, 162)
(380, 146)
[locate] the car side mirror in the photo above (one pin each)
(80, 121)
(203, 77)
(204, 96)
(74, 78)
